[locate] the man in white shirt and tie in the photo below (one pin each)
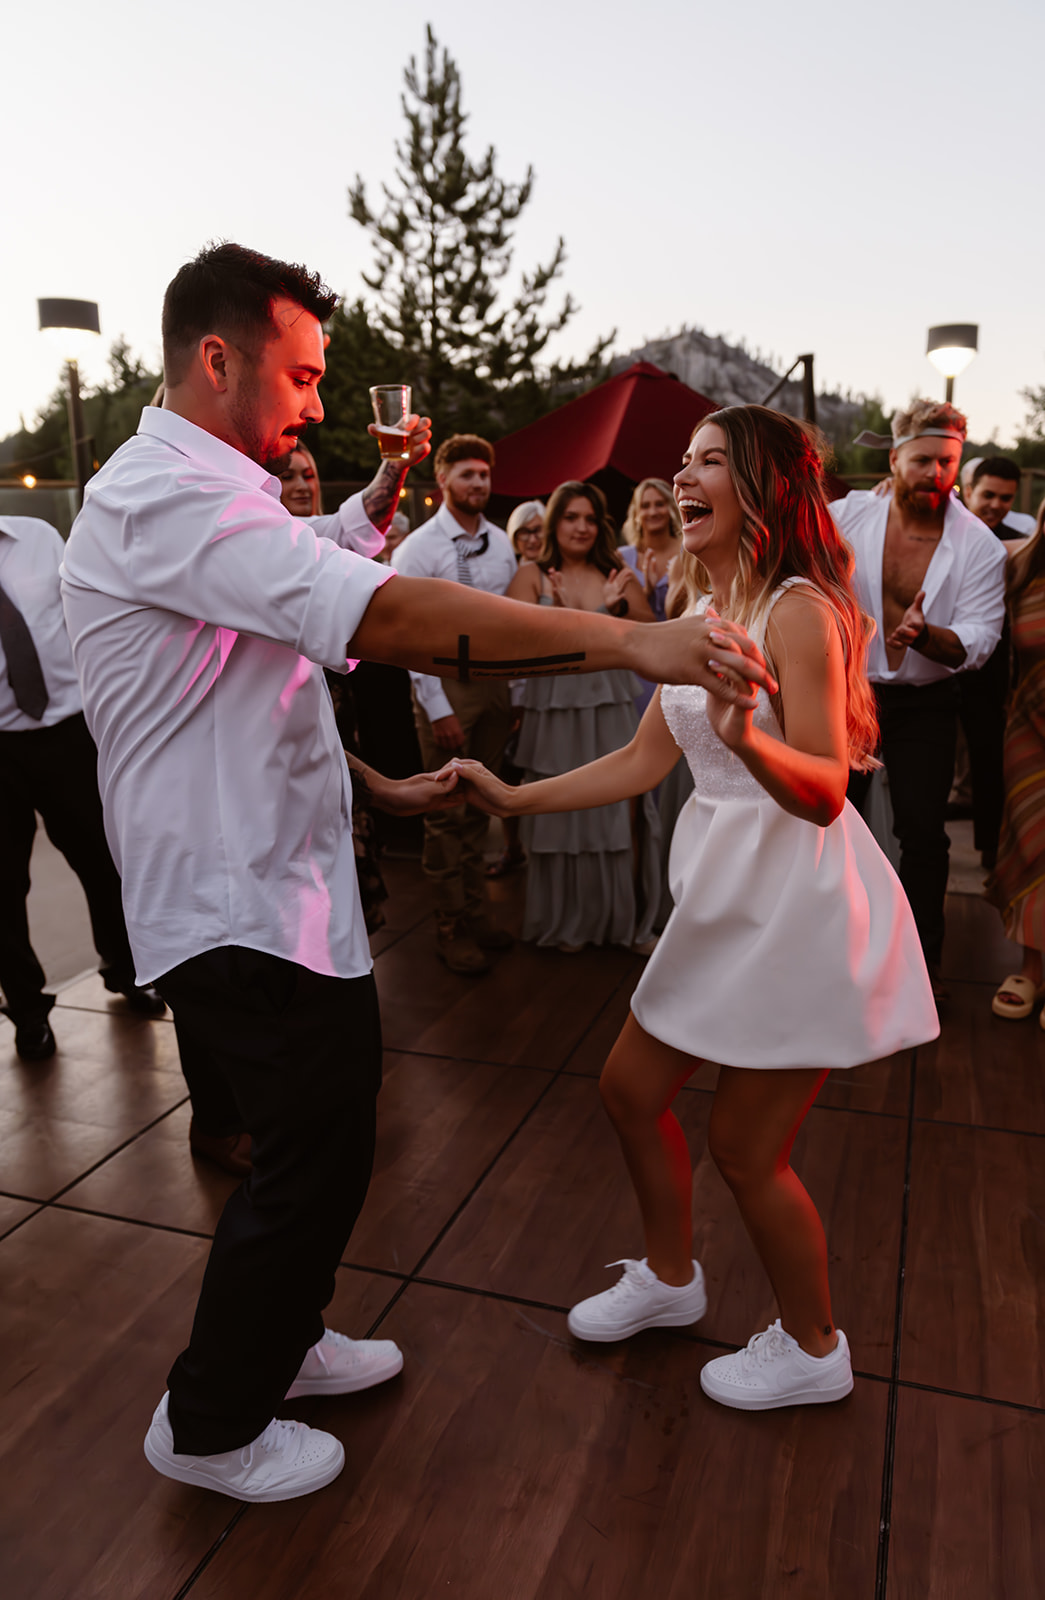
(201, 615)
(463, 719)
(932, 577)
(48, 765)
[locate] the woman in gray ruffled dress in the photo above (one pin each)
(594, 876)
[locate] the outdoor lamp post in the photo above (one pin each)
(951, 347)
(73, 324)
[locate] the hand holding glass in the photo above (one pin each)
(391, 402)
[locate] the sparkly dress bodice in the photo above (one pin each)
(718, 774)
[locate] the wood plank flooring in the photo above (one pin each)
(508, 1462)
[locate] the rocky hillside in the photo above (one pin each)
(731, 375)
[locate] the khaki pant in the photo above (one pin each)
(453, 850)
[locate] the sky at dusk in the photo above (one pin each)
(810, 177)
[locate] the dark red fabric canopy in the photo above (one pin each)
(637, 423)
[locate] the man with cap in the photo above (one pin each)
(48, 764)
(932, 578)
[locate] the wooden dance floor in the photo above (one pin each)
(508, 1462)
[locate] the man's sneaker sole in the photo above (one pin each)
(377, 1372)
(671, 1317)
(200, 1478)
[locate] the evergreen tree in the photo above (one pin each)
(443, 248)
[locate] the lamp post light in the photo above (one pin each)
(951, 347)
(73, 325)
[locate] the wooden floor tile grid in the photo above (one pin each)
(974, 1096)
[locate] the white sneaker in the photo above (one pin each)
(337, 1365)
(638, 1300)
(285, 1461)
(773, 1370)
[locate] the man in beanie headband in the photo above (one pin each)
(932, 577)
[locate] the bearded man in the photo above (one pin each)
(932, 577)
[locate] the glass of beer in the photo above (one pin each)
(391, 403)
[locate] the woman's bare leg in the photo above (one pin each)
(638, 1083)
(754, 1121)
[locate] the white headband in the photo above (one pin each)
(885, 441)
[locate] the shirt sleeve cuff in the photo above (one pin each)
(431, 697)
(356, 531)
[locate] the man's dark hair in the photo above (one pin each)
(997, 467)
(462, 447)
(229, 290)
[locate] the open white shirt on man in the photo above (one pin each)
(964, 584)
(198, 609)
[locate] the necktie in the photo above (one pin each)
(24, 672)
(464, 574)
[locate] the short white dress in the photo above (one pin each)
(790, 945)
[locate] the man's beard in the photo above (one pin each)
(277, 465)
(243, 415)
(465, 505)
(921, 505)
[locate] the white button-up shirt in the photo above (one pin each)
(30, 555)
(197, 608)
(964, 585)
(431, 552)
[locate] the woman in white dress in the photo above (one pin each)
(791, 949)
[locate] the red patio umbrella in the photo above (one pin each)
(637, 425)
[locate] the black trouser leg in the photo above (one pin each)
(982, 697)
(301, 1056)
(21, 975)
(69, 803)
(918, 737)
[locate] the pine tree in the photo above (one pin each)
(443, 248)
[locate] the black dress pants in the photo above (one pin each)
(54, 771)
(981, 706)
(918, 725)
(297, 1056)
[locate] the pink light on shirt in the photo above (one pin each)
(220, 648)
(299, 676)
(311, 914)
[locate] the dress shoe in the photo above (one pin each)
(231, 1153)
(34, 1041)
(459, 951)
(144, 999)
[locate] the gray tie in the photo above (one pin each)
(24, 672)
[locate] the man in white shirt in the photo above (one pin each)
(48, 764)
(462, 719)
(932, 577)
(990, 485)
(201, 614)
(989, 488)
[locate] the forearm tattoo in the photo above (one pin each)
(381, 498)
(467, 666)
(360, 786)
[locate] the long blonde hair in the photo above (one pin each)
(776, 466)
(632, 529)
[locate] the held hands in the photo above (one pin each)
(419, 439)
(731, 719)
(708, 651)
(483, 790)
(911, 626)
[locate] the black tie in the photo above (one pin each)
(24, 672)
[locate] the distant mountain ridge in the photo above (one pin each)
(731, 375)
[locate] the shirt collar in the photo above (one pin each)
(449, 525)
(199, 445)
